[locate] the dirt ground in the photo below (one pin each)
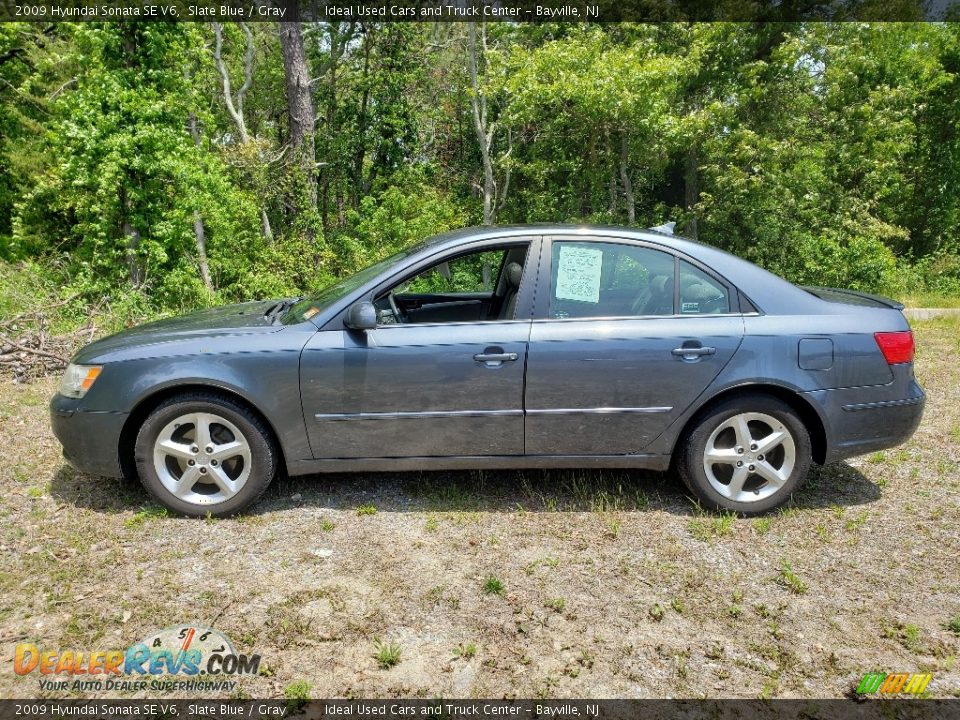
(560, 584)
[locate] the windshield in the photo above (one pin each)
(310, 306)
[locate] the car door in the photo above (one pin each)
(438, 384)
(625, 337)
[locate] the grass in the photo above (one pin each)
(493, 585)
(707, 528)
(930, 300)
(366, 509)
(298, 690)
(465, 651)
(790, 580)
(151, 512)
(387, 655)
(556, 604)
(953, 625)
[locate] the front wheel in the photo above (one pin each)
(200, 454)
(747, 455)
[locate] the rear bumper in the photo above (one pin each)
(90, 440)
(860, 422)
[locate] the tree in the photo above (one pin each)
(300, 113)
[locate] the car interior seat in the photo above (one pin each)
(513, 272)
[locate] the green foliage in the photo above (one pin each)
(826, 152)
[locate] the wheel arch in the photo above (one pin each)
(149, 403)
(808, 414)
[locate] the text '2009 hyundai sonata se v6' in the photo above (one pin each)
(509, 347)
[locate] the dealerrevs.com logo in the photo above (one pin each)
(187, 651)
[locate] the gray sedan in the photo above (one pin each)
(508, 347)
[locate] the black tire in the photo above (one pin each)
(263, 454)
(691, 450)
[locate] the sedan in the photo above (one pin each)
(506, 347)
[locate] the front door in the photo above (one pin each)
(441, 375)
(619, 355)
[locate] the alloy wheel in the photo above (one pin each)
(749, 457)
(202, 458)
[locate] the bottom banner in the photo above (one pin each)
(885, 709)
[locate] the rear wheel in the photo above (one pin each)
(747, 454)
(203, 454)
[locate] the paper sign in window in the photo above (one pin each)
(578, 274)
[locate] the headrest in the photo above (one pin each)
(659, 284)
(699, 291)
(514, 273)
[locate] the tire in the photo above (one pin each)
(734, 431)
(225, 473)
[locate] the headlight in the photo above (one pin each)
(78, 379)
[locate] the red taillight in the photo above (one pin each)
(897, 347)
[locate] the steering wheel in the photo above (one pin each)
(395, 309)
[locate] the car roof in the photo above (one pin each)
(769, 292)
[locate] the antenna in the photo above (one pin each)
(666, 228)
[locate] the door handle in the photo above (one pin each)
(495, 359)
(692, 353)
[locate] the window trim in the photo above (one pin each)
(545, 284)
(525, 293)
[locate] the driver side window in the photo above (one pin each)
(473, 287)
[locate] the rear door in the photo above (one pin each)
(625, 337)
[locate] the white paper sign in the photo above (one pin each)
(578, 274)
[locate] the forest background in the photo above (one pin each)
(152, 168)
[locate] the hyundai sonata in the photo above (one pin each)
(506, 347)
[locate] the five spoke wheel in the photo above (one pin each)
(746, 454)
(204, 454)
(749, 457)
(202, 458)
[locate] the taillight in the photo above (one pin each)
(897, 347)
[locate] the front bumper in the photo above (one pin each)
(91, 440)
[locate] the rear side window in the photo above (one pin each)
(701, 294)
(592, 279)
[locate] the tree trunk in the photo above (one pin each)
(625, 179)
(198, 229)
(235, 106)
(482, 128)
(691, 190)
(299, 108)
(133, 241)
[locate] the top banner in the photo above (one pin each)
(536, 11)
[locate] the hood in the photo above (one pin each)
(189, 331)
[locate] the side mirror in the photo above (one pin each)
(362, 315)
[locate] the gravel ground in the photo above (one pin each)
(560, 584)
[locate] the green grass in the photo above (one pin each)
(493, 585)
(790, 580)
(298, 690)
(762, 524)
(465, 651)
(953, 625)
(930, 300)
(387, 655)
(151, 512)
(556, 604)
(707, 527)
(327, 525)
(367, 509)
